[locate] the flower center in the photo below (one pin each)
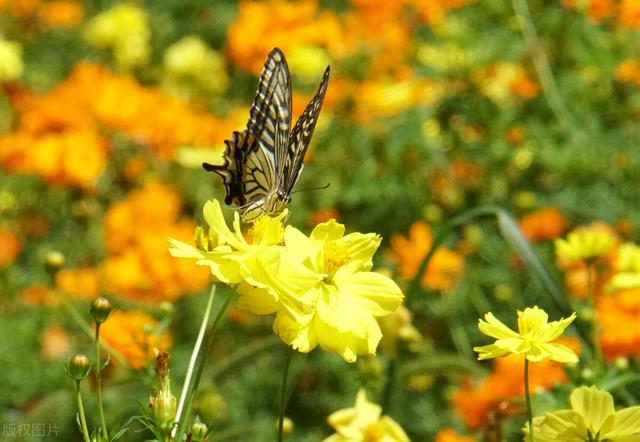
(373, 432)
(334, 256)
(265, 231)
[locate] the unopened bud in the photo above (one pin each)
(79, 367)
(100, 309)
(54, 259)
(199, 432)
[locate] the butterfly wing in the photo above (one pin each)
(247, 172)
(301, 136)
(251, 158)
(270, 114)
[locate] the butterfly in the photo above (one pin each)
(263, 162)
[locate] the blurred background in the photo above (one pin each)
(434, 107)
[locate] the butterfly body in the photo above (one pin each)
(263, 162)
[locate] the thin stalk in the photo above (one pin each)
(541, 63)
(103, 424)
(210, 335)
(283, 394)
(595, 341)
(85, 327)
(390, 380)
(528, 399)
(83, 421)
(194, 354)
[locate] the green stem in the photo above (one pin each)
(541, 63)
(391, 371)
(283, 394)
(85, 327)
(595, 341)
(83, 421)
(528, 399)
(191, 390)
(103, 424)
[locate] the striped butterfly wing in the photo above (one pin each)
(250, 169)
(270, 114)
(300, 136)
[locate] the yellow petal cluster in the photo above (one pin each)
(11, 66)
(321, 287)
(592, 417)
(190, 65)
(124, 29)
(585, 243)
(364, 422)
(627, 267)
(534, 338)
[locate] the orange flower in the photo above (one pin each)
(600, 9)
(321, 216)
(80, 283)
(9, 248)
(628, 72)
(515, 135)
(618, 318)
(39, 295)
(54, 343)
(449, 435)
(443, 270)
(545, 223)
(524, 87)
(61, 13)
(132, 334)
(138, 264)
(58, 135)
(477, 403)
(20, 8)
(261, 26)
(629, 14)
(432, 11)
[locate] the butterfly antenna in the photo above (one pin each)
(326, 186)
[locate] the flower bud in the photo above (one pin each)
(163, 405)
(100, 309)
(199, 432)
(54, 259)
(79, 367)
(287, 426)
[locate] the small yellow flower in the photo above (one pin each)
(627, 267)
(125, 30)
(592, 417)
(363, 423)
(398, 327)
(190, 64)
(534, 338)
(347, 297)
(11, 66)
(585, 243)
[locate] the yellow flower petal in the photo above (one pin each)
(594, 405)
(377, 293)
(256, 300)
(495, 328)
(214, 218)
(626, 422)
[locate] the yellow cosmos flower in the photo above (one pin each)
(11, 65)
(534, 338)
(627, 267)
(347, 296)
(364, 423)
(592, 417)
(252, 260)
(585, 243)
